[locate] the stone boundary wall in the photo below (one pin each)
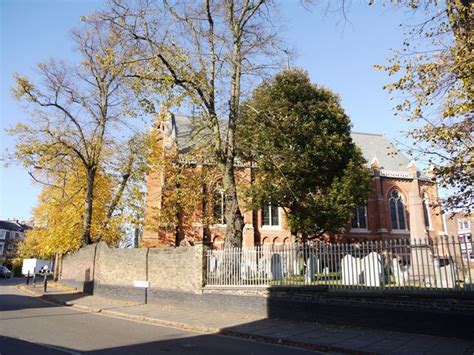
(79, 266)
(107, 271)
(181, 269)
(177, 277)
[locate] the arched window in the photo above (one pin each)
(426, 211)
(219, 205)
(397, 211)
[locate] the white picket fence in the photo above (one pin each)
(424, 264)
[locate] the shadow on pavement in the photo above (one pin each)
(64, 297)
(10, 346)
(297, 317)
(199, 344)
(202, 344)
(12, 302)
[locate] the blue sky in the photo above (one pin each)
(336, 56)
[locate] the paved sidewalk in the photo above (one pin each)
(310, 335)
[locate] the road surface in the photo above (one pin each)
(31, 326)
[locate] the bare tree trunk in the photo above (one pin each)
(233, 216)
(136, 239)
(194, 61)
(56, 267)
(118, 196)
(89, 201)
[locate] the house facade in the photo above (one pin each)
(11, 233)
(461, 227)
(401, 194)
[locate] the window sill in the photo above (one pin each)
(275, 228)
(400, 231)
(218, 225)
(359, 230)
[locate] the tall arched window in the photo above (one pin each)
(426, 211)
(219, 205)
(397, 211)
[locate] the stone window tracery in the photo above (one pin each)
(426, 211)
(397, 211)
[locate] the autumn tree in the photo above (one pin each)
(434, 86)
(201, 54)
(58, 216)
(299, 137)
(80, 124)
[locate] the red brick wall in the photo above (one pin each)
(378, 214)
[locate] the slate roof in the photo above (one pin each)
(14, 226)
(185, 127)
(191, 133)
(378, 146)
(372, 145)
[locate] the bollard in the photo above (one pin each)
(34, 279)
(28, 278)
(45, 288)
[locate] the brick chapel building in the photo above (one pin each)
(400, 189)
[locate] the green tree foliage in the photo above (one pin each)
(299, 136)
(434, 83)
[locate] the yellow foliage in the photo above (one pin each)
(434, 78)
(58, 218)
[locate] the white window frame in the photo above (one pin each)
(271, 226)
(219, 192)
(426, 204)
(462, 223)
(3, 234)
(361, 230)
(2, 248)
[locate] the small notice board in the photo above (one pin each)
(139, 283)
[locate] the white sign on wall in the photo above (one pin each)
(142, 284)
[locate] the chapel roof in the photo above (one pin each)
(378, 146)
(185, 127)
(391, 160)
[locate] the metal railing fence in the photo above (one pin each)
(422, 264)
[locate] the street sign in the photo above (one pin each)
(142, 284)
